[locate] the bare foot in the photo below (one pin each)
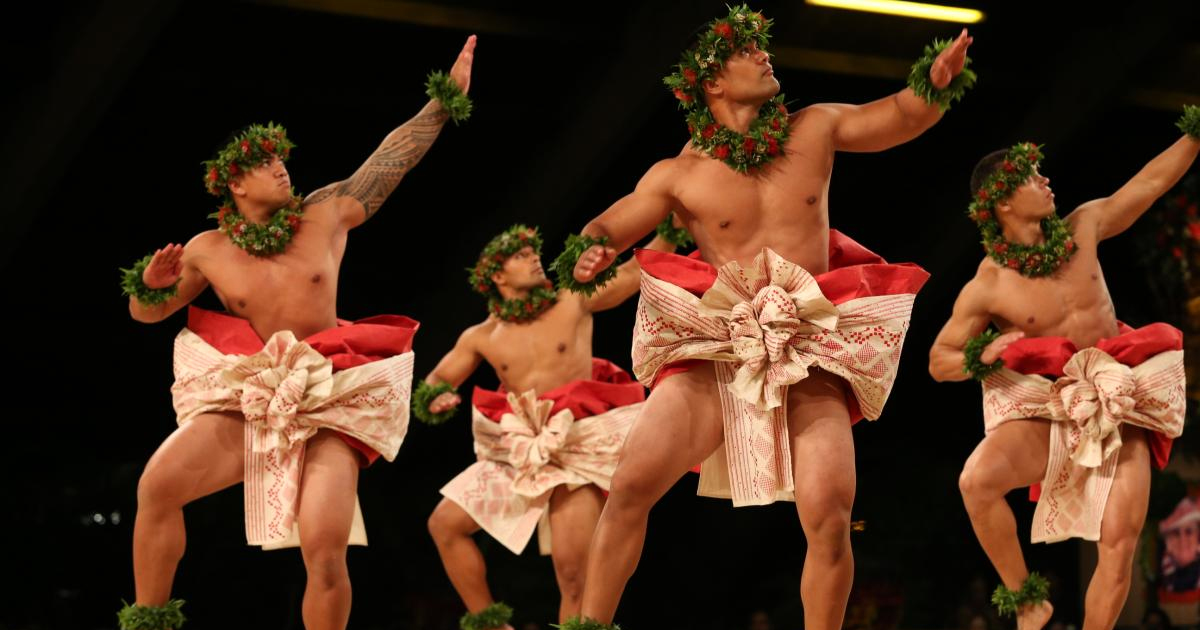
(1034, 616)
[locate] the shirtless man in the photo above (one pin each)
(279, 289)
(757, 206)
(539, 342)
(1042, 287)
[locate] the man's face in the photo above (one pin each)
(521, 271)
(267, 183)
(1032, 200)
(1183, 544)
(747, 76)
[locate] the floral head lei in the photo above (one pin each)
(253, 147)
(1030, 260)
(250, 148)
(720, 40)
(491, 260)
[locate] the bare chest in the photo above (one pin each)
(1073, 303)
(550, 351)
(294, 290)
(782, 206)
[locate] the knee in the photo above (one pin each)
(442, 526)
(976, 482)
(570, 576)
(326, 566)
(155, 491)
(826, 522)
(630, 495)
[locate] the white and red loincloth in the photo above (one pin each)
(354, 379)
(529, 444)
(1136, 377)
(764, 326)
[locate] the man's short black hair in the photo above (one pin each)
(985, 167)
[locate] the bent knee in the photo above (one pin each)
(157, 489)
(980, 482)
(447, 522)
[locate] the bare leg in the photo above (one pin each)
(1124, 515)
(198, 459)
(325, 514)
(1013, 456)
(573, 517)
(679, 426)
(823, 468)
(451, 528)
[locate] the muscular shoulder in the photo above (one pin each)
(816, 117)
(977, 294)
(204, 243)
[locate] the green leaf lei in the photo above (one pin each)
(564, 265)
(1034, 590)
(679, 237)
(1030, 260)
(491, 260)
(137, 617)
(424, 394)
(261, 239)
(493, 616)
(1189, 123)
(132, 284)
(971, 352)
(440, 86)
(768, 132)
(918, 78)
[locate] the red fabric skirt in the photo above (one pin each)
(350, 344)
(854, 272)
(609, 387)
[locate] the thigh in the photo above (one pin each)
(328, 489)
(1014, 455)
(679, 425)
(450, 517)
(199, 458)
(1129, 498)
(573, 517)
(821, 442)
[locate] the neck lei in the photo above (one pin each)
(525, 309)
(1042, 259)
(756, 148)
(265, 239)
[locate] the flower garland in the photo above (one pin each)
(424, 394)
(1034, 590)
(564, 265)
(254, 146)
(1030, 260)
(677, 236)
(918, 78)
(440, 86)
(1189, 122)
(138, 617)
(585, 623)
(974, 349)
(132, 284)
(261, 239)
(494, 616)
(769, 130)
(491, 260)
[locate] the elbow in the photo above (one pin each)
(142, 315)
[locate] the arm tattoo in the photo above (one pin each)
(401, 150)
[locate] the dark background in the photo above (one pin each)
(113, 105)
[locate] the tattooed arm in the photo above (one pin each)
(364, 191)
